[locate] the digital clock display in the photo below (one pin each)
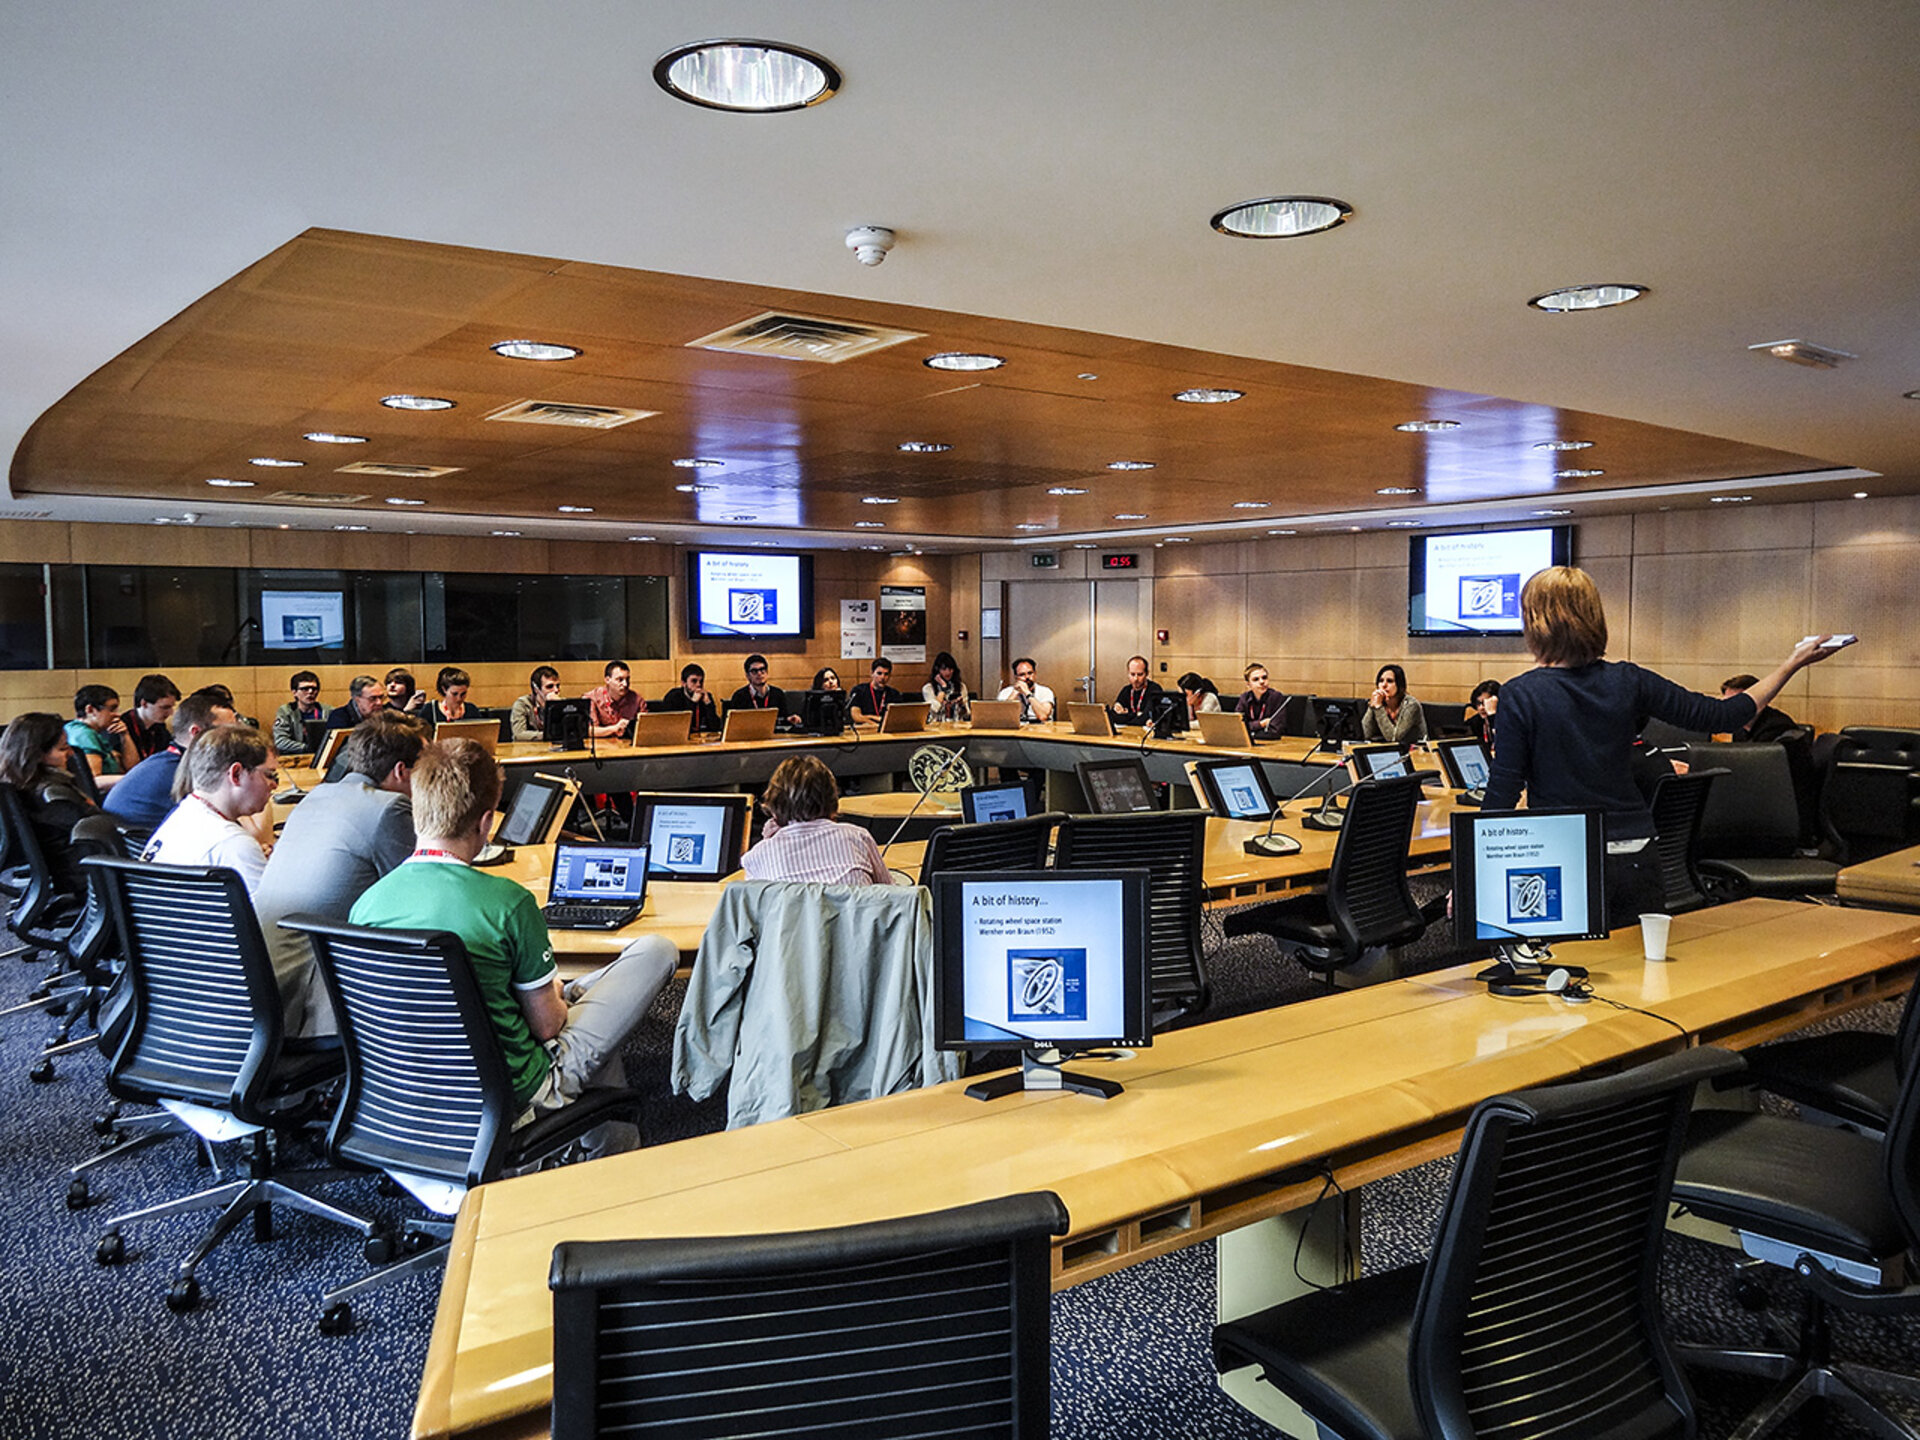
(1119, 562)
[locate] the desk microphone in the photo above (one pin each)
(1328, 817)
(1272, 844)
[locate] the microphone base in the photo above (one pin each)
(1324, 819)
(1275, 845)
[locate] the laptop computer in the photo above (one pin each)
(1090, 719)
(904, 718)
(662, 727)
(1228, 728)
(749, 724)
(996, 714)
(596, 886)
(484, 733)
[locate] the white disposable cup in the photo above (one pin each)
(1653, 935)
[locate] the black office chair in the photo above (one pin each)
(1869, 807)
(989, 845)
(1842, 1210)
(1850, 1075)
(1172, 846)
(1679, 804)
(1537, 1314)
(1750, 833)
(428, 1100)
(43, 914)
(932, 1325)
(206, 1042)
(1368, 905)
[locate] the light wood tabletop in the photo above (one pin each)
(1889, 882)
(1219, 1126)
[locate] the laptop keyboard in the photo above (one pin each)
(590, 917)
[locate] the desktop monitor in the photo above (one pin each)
(823, 712)
(1465, 762)
(1169, 715)
(1236, 789)
(691, 837)
(1012, 801)
(1378, 762)
(1523, 879)
(1115, 787)
(532, 812)
(1041, 960)
(565, 722)
(314, 733)
(1336, 717)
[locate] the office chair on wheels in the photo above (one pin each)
(989, 845)
(1679, 803)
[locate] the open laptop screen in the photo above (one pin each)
(594, 874)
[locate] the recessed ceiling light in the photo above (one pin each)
(1176, 540)
(869, 524)
(1252, 504)
(1207, 395)
(923, 447)
(1030, 525)
(743, 518)
(639, 537)
(1283, 532)
(1130, 465)
(1729, 499)
(960, 360)
(1065, 490)
(1804, 352)
(698, 462)
(403, 500)
(694, 489)
(503, 534)
(330, 437)
(1427, 427)
(574, 509)
(757, 77)
(163, 519)
(533, 350)
(1403, 524)
(1088, 375)
(1586, 297)
(1576, 474)
(1085, 545)
(350, 527)
(880, 500)
(1553, 512)
(269, 462)
(226, 484)
(1282, 217)
(1563, 445)
(1129, 516)
(1859, 494)
(1911, 395)
(873, 547)
(1397, 490)
(761, 544)
(416, 402)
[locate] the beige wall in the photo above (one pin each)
(260, 690)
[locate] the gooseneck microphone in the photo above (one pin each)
(1272, 844)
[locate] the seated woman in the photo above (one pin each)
(452, 684)
(1203, 698)
(1482, 709)
(946, 692)
(825, 678)
(802, 840)
(1393, 716)
(33, 759)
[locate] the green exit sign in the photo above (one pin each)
(1045, 560)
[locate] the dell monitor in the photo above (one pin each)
(1236, 789)
(1048, 961)
(983, 803)
(690, 837)
(566, 723)
(1467, 767)
(1525, 879)
(1115, 787)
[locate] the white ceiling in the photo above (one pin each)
(1755, 162)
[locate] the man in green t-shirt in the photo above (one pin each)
(557, 1039)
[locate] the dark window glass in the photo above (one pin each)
(23, 618)
(152, 616)
(534, 617)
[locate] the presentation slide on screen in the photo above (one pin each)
(303, 619)
(686, 839)
(1383, 765)
(611, 876)
(1003, 803)
(1530, 877)
(1472, 761)
(1240, 789)
(1043, 961)
(1473, 581)
(749, 594)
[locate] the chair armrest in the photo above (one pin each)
(1852, 1296)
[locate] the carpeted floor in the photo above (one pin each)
(93, 1354)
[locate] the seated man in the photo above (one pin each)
(367, 696)
(402, 693)
(1036, 700)
(290, 721)
(527, 720)
(867, 706)
(232, 774)
(802, 840)
(100, 736)
(614, 703)
(692, 695)
(337, 842)
(146, 796)
(1135, 704)
(556, 1040)
(1770, 724)
(153, 700)
(757, 694)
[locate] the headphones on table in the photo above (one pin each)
(1570, 988)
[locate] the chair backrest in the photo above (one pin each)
(1901, 1150)
(93, 939)
(932, 1325)
(23, 849)
(206, 1023)
(1171, 845)
(1368, 896)
(1679, 803)
(990, 845)
(427, 1089)
(1539, 1315)
(82, 774)
(1751, 811)
(1869, 806)
(1876, 745)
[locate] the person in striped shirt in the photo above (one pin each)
(802, 840)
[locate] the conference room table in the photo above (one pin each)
(1888, 882)
(1222, 1130)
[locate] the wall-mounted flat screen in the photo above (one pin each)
(1470, 584)
(303, 619)
(732, 595)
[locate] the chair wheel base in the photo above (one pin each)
(110, 1249)
(380, 1249)
(103, 1122)
(337, 1319)
(1750, 1295)
(183, 1295)
(42, 1072)
(79, 1197)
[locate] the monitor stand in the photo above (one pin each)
(1034, 1074)
(1524, 959)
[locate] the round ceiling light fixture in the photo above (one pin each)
(696, 489)
(639, 537)
(1563, 445)
(329, 437)
(416, 402)
(751, 77)
(697, 462)
(403, 500)
(270, 462)
(1208, 395)
(879, 499)
(534, 350)
(869, 524)
(504, 534)
(1282, 217)
(923, 447)
(574, 509)
(960, 360)
(1130, 465)
(1576, 474)
(1586, 297)
(1066, 490)
(1397, 490)
(1427, 427)
(1129, 515)
(223, 483)
(1252, 504)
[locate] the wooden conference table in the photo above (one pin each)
(1222, 1129)
(1891, 882)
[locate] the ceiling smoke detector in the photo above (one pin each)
(870, 243)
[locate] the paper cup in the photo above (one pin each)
(1653, 935)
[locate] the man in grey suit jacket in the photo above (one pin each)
(338, 841)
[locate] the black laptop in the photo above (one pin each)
(596, 886)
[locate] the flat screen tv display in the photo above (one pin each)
(1470, 584)
(749, 596)
(303, 619)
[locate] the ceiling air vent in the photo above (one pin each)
(314, 497)
(401, 472)
(26, 514)
(578, 417)
(803, 337)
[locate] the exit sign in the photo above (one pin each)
(1119, 562)
(1045, 559)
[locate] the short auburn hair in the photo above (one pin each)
(455, 783)
(802, 788)
(1564, 621)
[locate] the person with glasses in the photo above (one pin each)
(760, 694)
(1263, 707)
(231, 772)
(1036, 700)
(290, 721)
